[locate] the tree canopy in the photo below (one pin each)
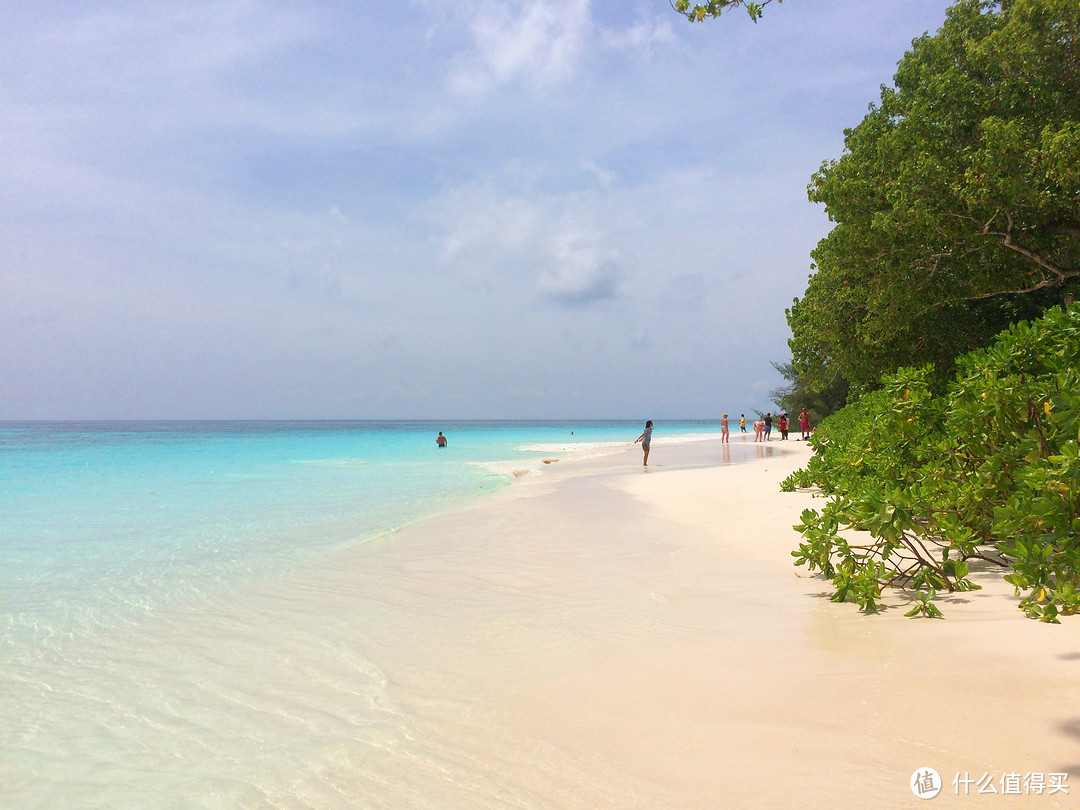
(956, 201)
(794, 395)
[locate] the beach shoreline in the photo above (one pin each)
(600, 635)
(649, 626)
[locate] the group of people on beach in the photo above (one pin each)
(763, 427)
(762, 430)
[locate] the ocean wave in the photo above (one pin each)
(572, 447)
(681, 438)
(333, 462)
(510, 469)
(611, 447)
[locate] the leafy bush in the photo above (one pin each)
(989, 471)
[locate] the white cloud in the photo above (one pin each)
(223, 191)
(643, 35)
(149, 74)
(152, 53)
(484, 230)
(603, 176)
(544, 245)
(540, 42)
(581, 269)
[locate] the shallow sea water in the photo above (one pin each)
(171, 630)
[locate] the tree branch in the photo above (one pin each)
(1008, 241)
(714, 8)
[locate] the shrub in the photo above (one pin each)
(989, 471)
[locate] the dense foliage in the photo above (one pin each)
(956, 201)
(795, 395)
(986, 474)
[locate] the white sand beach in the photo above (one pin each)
(593, 636)
(603, 636)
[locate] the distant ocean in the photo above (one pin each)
(107, 527)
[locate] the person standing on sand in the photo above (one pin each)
(645, 439)
(804, 424)
(768, 426)
(742, 422)
(783, 426)
(759, 430)
(723, 430)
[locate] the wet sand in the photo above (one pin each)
(607, 636)
(594, 636)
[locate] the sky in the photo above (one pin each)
(425, 209)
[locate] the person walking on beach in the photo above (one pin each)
(646, 439)
(440, 440)
(742, 422)
(804, 424)
(768, 426)
(759, 430)
(723, 430)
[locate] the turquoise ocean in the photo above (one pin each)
(111, 532)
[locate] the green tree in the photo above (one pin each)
(956, 201)
(714, 8)
(795, 396)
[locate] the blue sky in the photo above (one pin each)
(420, 209)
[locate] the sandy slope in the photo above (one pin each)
(606, 636)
